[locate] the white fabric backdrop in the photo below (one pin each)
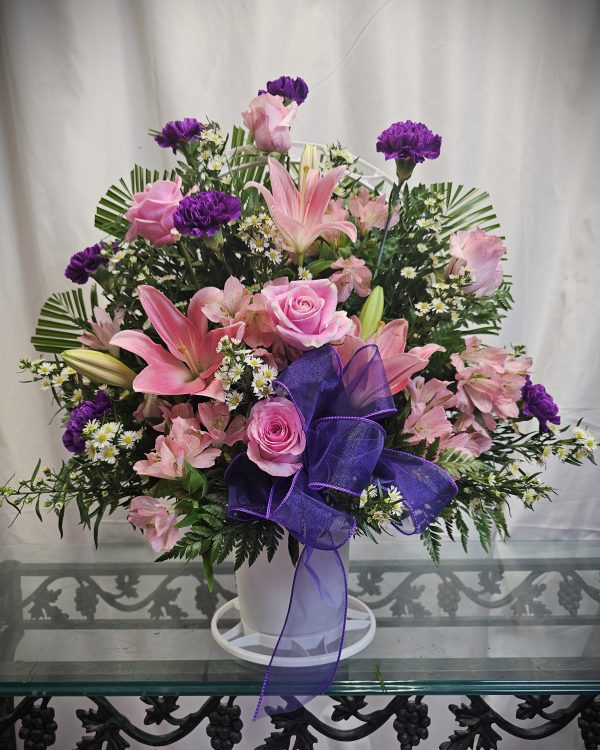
(511, 86)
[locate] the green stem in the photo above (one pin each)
(393, 195)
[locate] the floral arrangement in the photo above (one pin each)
(243, 302)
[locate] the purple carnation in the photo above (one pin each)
(85, 263)
(178, 132)
(80, 415)
(203, 214)
(540, 404)
(294, 89)
(409, 140)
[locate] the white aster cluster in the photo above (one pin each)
(242, 365)
(336, 155)
(48, 374)
(212, 139)
(445, 298)
(118, 257)
(586, 443)
(262, 237)
(104, 442)
(383, 504)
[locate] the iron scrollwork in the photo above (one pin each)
(481, 726)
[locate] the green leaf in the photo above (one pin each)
(208, 571)
(62, 319)
(431, 538)
(193, 480)
(465, 209)
(318, 266)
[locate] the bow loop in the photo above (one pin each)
(342, 452)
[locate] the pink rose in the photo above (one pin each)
(304, 312)
(269, 120)
(353, 275)
(157, 520)
(151, 214)
(276, 440)
(479, 253)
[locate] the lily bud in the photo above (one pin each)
(99, 367)
(370, 315)
(310, 160)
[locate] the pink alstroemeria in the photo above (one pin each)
(370, 211)
(157, 520)
(299, 214)
(235, 304)
(225, 306)
(427, 424)
(430, 393)
(103, 329)
(335, 213)
(216, 418)
(191, 359)
(353, 274)
(183, 443)
(399, 364)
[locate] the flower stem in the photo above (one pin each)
(393, 195)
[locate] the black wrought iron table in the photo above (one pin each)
(523, 620)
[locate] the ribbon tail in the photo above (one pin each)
(313, 631)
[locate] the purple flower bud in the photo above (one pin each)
(294, 89)
(540, 404)
(85, 263)
(177, 132)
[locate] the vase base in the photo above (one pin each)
(250, 645)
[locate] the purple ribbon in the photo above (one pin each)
(344, 451)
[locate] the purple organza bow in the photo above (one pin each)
(344, 451)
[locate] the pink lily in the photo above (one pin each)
(300, 214)
(399, 364)
(189, 363)
(103, 329)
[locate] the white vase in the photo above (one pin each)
(264, 590)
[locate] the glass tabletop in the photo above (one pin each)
(524, 618)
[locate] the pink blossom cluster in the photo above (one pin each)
(462, 414)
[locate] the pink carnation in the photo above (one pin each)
(151, 214)
(276, 440)
(157, 521)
